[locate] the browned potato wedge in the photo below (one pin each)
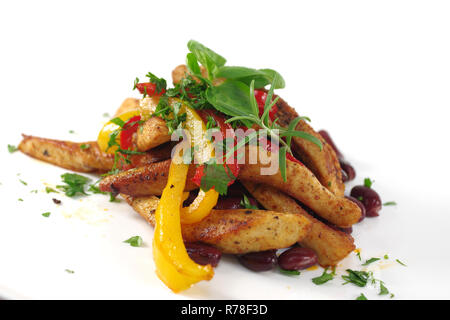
(67, 154)
(236, 231)
(324, 164)
(301, 184)
(330, 245)
(304, 186)
(153, 132)
(143, 181)
(180, 72)
(128, 104)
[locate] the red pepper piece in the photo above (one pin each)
(149, 88)
(126, 135)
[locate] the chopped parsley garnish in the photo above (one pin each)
(390, 203)
(135, 241)
(112, 198)
(246, 203)
(217, 176)
(33, 191)
(358, 254)
(106, 115)
(361, 297)
(69, 271)
(325, 277)
(23, 182)
(85, 146)
(368, 183)
(95, 189)
(50, 190)
(372, 260)
(401, 263)
(74, 184)
(71, 131)
(46, 214)
(386, 257)
(383, 289)
(12, 148)
(290, 272)
(20, 199)
(358, 278)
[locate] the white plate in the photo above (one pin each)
(375, 76)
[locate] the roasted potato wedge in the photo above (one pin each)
(304, 186)
(323, 163)
(128, 104)
(68, 155)
(143, 181)
(236, 231)
(330, 245)
(301, 184)
(152, 133)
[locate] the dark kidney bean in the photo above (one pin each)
(234, 202)
(297, 259)
(360, 205)
(348, 169)
(326, 136)
(203, 254)
(225, 203)
(369, 198)
(259, 261)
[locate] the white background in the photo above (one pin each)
(376, 74)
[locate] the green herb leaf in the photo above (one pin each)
(325, 277)
(95, 189)
(368, 183)
(118, 121)
(217, 176)
(160, 83)
(113, 198)
(232, 98)
(282, 162)
(383, 289)
(75, 184)
(261, 77)
(69, 271)
(372, 260)
(135, 241)
(12, 148)
(23, 182)
(390, 203)
(208, 58)
(246, 203)
(20, 199)
(85, 146)
(290, 272)
(386, 257)
(46, 214)
(192, 64)
(358, 278)
(50, 190)
(361, 297)
(401, 263)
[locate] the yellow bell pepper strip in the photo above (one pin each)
(111, 127)
(200, 207)
(203, 151)
(173, 265)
